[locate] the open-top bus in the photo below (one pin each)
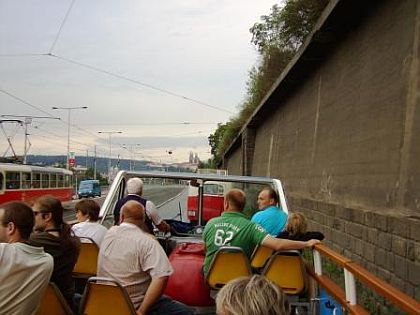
(28, 182)
(321, 295)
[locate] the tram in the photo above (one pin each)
(28, 182)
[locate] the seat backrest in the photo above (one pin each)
(260, 256)
(287, 270)
(53, 302)
(88, 257)
(105, 296)
(228, 263)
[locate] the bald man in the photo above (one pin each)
(137, 261)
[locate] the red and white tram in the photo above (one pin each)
(28, 182)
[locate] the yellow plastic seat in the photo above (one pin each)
(86, 264)
(105, 296)
(53, 302)
(260, 256)
(287, 270)
(228, 263)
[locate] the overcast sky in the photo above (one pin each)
(164, 73)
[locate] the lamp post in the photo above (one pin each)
(109, 140)
(69, 109)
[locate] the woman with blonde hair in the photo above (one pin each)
(254, 295)
(296, 229)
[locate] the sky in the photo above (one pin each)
(162, 73)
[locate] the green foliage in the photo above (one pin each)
(277, 38)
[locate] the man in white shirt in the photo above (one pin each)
(138, 262)
(24, 270)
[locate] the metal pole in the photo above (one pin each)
(109, 161)
(68, 138)
(94, 165)
(26, 139)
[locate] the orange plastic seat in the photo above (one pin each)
(105, 296)
(228, 263)
(287, 270)
(260, 256)
(53, 302)
(86, 264)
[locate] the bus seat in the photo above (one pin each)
(287, 270)
(105, 296)
(87, 261)
(53, 302)
(228, 263)
(260, 256)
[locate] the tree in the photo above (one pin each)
(277, 38)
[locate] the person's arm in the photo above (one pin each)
(284, 244)
(153, 293)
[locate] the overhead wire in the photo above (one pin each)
(61, 26)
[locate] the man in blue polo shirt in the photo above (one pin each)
(272, 218)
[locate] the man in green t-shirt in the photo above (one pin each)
(232, 228)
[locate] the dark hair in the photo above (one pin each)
(89, 207)
(236, 198)
(21, 215)
(272, 194)
(50, 204)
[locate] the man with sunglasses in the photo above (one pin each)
(25, 270)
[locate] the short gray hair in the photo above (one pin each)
(135, 186)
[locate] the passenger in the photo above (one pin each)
(296, 229)
(135, 192)
(270, 217)
(56, 237)
(232, 228)
(254, 295)
(87, 213)
(25, 270)
(137, 261)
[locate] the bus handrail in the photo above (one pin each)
(351, 271)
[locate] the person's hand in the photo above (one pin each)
(312, 242)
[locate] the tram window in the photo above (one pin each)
(45, 180)
(36, 180)
(1, 181)
(12, 180)
(53, 180)
(26, 180)
(60, 180)
(67, 181)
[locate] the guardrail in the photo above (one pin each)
(352, 271)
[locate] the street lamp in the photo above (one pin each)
(109, 139)
(69, 109)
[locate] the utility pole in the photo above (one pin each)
(110, 133)
(27, 121)
(94, 164)
(69, 109)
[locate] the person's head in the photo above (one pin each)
(132, 212)
(254, 295)
(135, 186)
(48, 212)
(296, 223)
(235, 200)
(87, 209)
(267, 197)
(16, 222)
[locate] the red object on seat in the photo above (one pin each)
(187, 284)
